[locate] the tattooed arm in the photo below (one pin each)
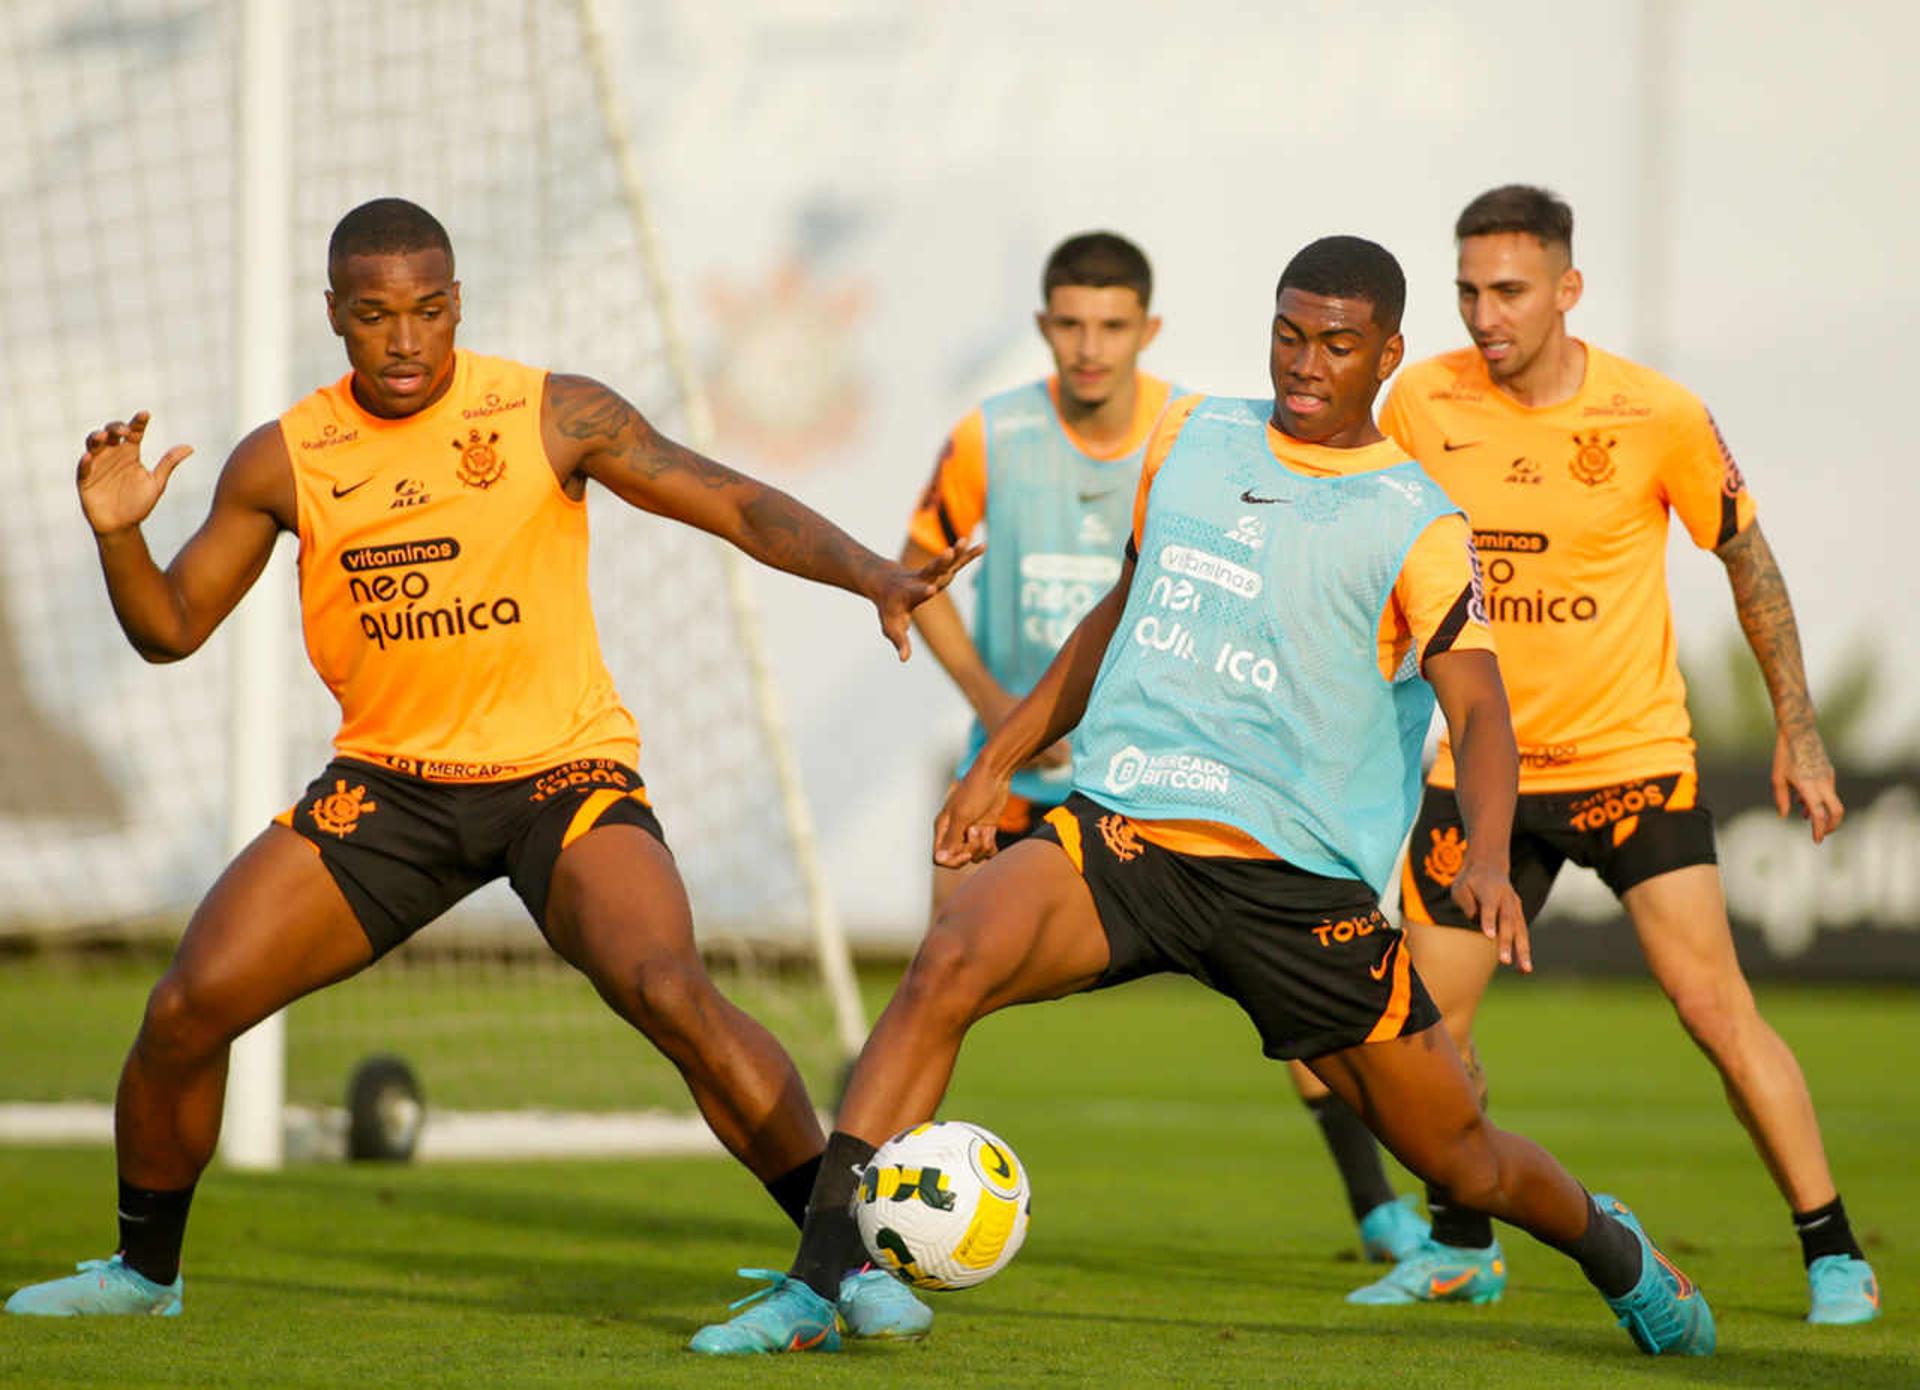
(591, 432)
(1801, 768)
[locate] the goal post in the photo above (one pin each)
(505, 118)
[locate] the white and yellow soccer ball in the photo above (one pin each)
(943, 1205)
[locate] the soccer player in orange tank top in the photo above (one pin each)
(513, 758)
(1568, 460)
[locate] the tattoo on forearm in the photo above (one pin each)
(1766, 616)
(776, 530)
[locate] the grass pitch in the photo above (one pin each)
(1187, 1230)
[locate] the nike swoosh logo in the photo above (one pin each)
(1379, 972)
(1451, 447)
(339, 492)
(1000, 1166)
(1440, 1288)
(1248, 496)
(800, 1343)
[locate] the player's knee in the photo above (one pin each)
(1713, 1014)
(948, 977)
(666, 994)
(183, 1021)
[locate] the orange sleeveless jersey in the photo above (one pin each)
(1569, 506)
(443, 583)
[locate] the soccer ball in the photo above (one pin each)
(943, 1205)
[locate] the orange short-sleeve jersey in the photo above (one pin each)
(1569, 505)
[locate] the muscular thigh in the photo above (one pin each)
(275, 926)
(615, 901)
(1023, 923)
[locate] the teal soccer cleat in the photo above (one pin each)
(1665, 1313)
(1392, 1232)
(1842, 1289)
(100, 1287)
(784, 1316)
(875, 1305)
(1436, 1273)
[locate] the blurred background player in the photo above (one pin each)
(439, 499)
(1240, 795)
(1568, 460)
(1049, 469)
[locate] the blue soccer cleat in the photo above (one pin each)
(100, 1287)
(1842, 1289)
(874, 1304)
(784, 1316)
(1436, 1273)
(1392, 1232)
(1665, 1313)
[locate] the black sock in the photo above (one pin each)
(1456, 1225)
(792, 1188)
(1824, 1231)
(1354, 1152)
(829, 1241)
(152, 1227)
(1608, 1252)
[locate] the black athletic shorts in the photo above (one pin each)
(1627, 833)
(1310, 959)
(404, 850)
(1018, 818)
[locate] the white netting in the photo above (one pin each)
(116, 294)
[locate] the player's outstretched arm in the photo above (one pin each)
(591, 432)
(1801, 769)
(1487, 779)
(168, 613)
(939, 622)
(963, 831)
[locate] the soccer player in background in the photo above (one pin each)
(1050, 470)
(1568, 461)
(480, 732)
(1251, 699)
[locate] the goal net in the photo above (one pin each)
(116, 294)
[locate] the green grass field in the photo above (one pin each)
(1187, 1229)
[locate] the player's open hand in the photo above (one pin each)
(1802, 772)
(901, 590)
(1486, 895)
(963, 832)
(117, 491)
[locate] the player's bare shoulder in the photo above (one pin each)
(258, 476)
(583, 421)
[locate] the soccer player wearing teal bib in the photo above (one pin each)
(1250, 701)
(1049, 471)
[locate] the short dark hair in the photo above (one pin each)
(1350, 267)
(1099, 260)
(385, 227)
(1518, 207)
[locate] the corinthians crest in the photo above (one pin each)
(1593, 458)
(480, 464)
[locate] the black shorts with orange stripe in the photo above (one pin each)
(403, 850)
(1310, 959)
(1627, 833)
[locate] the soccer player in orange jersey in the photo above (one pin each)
(439, 500)
(1569, 460)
